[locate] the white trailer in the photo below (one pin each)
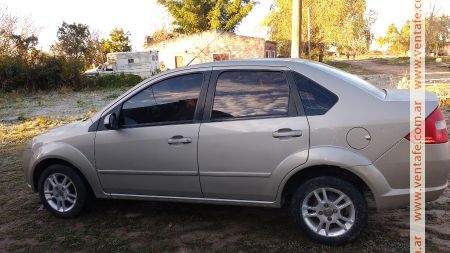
(143, 64)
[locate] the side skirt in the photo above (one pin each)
(273, 204)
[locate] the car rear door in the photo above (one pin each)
(253, 131)
(154, 151)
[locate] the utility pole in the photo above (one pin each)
(296, 41)
(309, 37)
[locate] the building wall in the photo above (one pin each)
(201, 47)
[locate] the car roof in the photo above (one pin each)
(254, 62)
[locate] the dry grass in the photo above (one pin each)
(19, 133)
(443, 93)
(28, 128)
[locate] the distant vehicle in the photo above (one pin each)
(250, 132)
(143, 64)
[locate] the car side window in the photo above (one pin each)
(316, 99)
(171, 100)
(250, 94)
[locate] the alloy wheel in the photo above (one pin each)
(328, 212)
(60, 192)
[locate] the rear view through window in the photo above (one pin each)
(250, 94)
(316, 99)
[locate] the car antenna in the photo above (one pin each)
(201, 51)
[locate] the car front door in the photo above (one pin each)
(254, 130)
(154, 150)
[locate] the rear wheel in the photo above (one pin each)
(63, 192)
(330, 210)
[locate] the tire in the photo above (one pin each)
(344, 209)
(63, 192)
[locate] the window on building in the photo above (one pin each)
(316, 99)
(250, 94)
(221, 57)
(171, 100)
(130, 61)
(270, 54)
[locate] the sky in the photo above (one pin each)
(143, 17)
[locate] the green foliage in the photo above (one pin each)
(73, 40)
(118, 41)
(162, 35)
(437, 32)
(193, 16)
(23, 44)
(339, 23)
(78, 42)
(281, 31)
(49, 72)
(42, 72)
(396, 40)
(113, 81)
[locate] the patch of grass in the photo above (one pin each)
(405, 60)
(21, 117)
(344, 66)
(443, 93)
(112, 96)
(26, 129)
(80, 103)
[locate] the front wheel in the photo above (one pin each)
(330, 210)
(63, 192)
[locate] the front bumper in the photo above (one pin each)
(26, 156)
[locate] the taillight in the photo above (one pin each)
(435, 128)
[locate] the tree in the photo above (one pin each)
(339, 23)
(95, 53)
(159, 36)
(73, 40)
(15, 31)
(23, 45)
(119, 41)
(437, 37)
(191, 16)
(396, 40)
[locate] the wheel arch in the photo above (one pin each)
(301, 176)
(62, 153)
(45, 163)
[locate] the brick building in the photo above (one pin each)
(210, 46)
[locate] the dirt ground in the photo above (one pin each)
(139, 226)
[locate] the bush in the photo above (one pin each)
(113, 81)
(40, 72)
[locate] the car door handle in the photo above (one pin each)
(286, 132)
(179, 139)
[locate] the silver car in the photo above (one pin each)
(252, 132)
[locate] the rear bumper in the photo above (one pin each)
(400, 197)
(394, 166)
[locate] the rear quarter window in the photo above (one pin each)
(315, 98)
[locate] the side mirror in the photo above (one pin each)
(110, 121)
